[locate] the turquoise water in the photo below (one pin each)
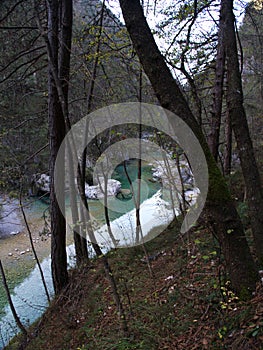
(118, 206)
(36, 209)
(132, 169)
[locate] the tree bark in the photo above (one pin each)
(220, 211)
(56, 135)
(61, 74)
(228, 148)
(213, 139)
(241, 130)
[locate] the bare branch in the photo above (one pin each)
(37, 152)
(22, 65)
(21, 54)
(11, 10)
(10, 301)
(33, 247)
(17, 28)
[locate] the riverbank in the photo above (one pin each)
(182, 304)
(17, 249)
(17, 256)
(30, 302)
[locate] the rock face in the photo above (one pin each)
(97, 191)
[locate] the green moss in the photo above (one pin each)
(218, 189)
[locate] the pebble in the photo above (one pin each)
(28, 250)
(10, 254)
(22, 252)
(13, 233)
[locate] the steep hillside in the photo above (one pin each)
(183, 302)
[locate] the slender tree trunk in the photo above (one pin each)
(139, 234)
(33, 247)
(191, 81)
(228, 148)
(60, 74)
(99, 254)
(217, 94)
(90, 97)
(241, 130)
(81, 255)
(220, 210)
(10, 301)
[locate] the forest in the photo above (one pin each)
(131, 167)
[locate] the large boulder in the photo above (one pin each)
(171, 175)
(97, 191)
(42, 182)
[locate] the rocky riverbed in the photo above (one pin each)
(17, 248)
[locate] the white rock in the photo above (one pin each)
(13, 233)
(170, 175)
(10, 254)
(171, 277)
(97, 191)
(22, 252)
(42, 182)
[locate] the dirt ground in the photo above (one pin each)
(17, 248)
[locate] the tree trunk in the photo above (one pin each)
(60, 73)
(241, 130)
(228, 148)
(56, 136)
(10, 302)
(213, 139)
(81, 252)
(99, 254)
(220, 210)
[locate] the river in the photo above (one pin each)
(29, 296)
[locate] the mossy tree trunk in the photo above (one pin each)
(240, 128)
(220, 211)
